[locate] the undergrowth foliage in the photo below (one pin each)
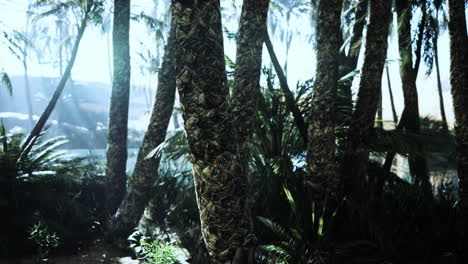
(66, 192)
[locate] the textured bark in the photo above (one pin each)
(27, 145)
(459, 83)
(439, 84)
(380, 112)
(116, 176)
(288, 95)
(140, 186)
(418, 166)
(357, 150)
(246, 88)
(247, 72)
(321, 158)
(390, 92)
(218, 173)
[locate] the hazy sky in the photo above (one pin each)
(92, 60)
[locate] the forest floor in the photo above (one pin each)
(97, 254)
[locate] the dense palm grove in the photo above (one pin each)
(260, 172)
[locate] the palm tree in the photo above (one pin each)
(459, 83)
(140, 186)
(436, 23)
(390, 92)
(321, 160)
(369, 97)
(248, 66)
(116, 177)
(19, 44)
(348, 64)
(89, 11)
(246, 89)
(418, 166)
(6, 82)
(211, 125)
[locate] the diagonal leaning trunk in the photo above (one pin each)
(202, 84)
(357, 150)
(288, 95)
(116, 177)
(36, 131)
(459, 83)
(140, 185)
(321, 159)
(439, 82)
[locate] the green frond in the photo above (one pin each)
(290, 199)
(174, 147)
(278, 251)
(277, 229)
(6, 82)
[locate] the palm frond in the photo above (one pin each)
(276, 228)
(6, 82)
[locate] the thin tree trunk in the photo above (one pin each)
(140, 186)
(360, 14)
(439, 85)
(288, 95)
(116, 176)
(357, 151)
(459, 83)
(392, 102)
(418, 166)
(27, 145)
(218, 173)
(26, 77)
(348, 63)
(28, 93)
(321, 159)
(380, 112)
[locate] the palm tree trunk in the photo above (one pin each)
(459, 83)
(248, 67)
(380, 112)
(58, 91)
(116, 177)
(418, 166)
(140, 186)
(348, 63)
(252, 28)
(26, 77)
(27, 89)
(288, 95)
(392, 102)
(439, 85)
(357, 151)
(218, 173)
(321, 147)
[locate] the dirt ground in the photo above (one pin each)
(97, 254)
